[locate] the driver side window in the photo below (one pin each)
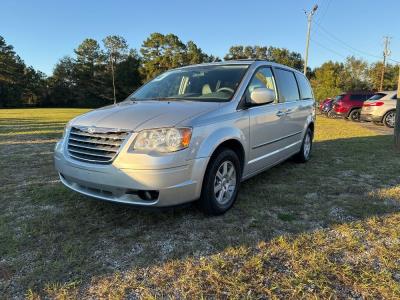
(263, 78)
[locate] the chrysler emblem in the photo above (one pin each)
(91, 130)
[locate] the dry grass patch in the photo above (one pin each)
(349, 261)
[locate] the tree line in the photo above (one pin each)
(98, 72)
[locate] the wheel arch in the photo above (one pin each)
(390, 110)
(234, 145)
(353, 109)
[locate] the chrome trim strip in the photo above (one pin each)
(94, 142)
(94, 135)
(274, 152)
(95, 129)
(277, 140)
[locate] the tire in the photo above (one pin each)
(306, 147)
(389, 119)
(331, 114)
(220, 189)
(354, 115)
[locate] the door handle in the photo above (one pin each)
(280, 113)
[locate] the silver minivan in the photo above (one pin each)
(193, 133)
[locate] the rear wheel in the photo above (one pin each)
(331, 114)
(390, 119)
(306, 147)
(221, 182)
(355, 115)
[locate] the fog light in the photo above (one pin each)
(148, 195)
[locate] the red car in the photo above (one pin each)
(348, 105)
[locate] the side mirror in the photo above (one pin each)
(262, 96)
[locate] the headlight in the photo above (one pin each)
(163, 139)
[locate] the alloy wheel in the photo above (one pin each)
(225, 182)
(391, 119)
(355, 116)
(307, 145)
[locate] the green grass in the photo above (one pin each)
(328, 228)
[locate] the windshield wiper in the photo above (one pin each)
(156, 99)
(166, 99)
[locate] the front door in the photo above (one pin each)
(266, 122)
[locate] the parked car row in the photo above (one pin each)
(379, 108)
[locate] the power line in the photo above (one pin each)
(393, 60)
(346, 45)
(327, 48)
(323, 13)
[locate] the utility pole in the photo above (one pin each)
(309, 20)
(386, 53)
(397, 124)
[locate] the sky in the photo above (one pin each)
(43, 31)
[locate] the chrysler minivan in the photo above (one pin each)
(192, 133)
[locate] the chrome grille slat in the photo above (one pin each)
(86, 159)
(100, 146)
(97, 141)
(90, 153)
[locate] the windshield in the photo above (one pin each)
(377, 96)
(201, 83)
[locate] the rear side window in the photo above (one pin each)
(377, 96)
(359, 97)
(355, 97)
(287, 85)
(305, 88)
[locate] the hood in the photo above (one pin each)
(140, 115)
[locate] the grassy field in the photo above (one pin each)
(326, 229)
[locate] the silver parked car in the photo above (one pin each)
(191, 133)
(380, 108)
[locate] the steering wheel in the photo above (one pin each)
(226, 89)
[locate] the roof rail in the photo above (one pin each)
(247, 59)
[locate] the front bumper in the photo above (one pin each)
(173, 185)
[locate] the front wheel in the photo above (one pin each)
(306, 147)
(390, 119)
(221, 183)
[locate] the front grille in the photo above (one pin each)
(99, 146)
